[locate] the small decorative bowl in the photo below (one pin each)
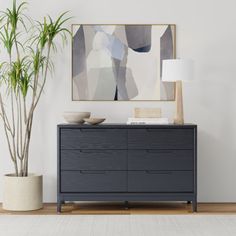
(76, 117)
(94, 121)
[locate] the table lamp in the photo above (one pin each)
(178, 70)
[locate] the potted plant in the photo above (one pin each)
(28, 45)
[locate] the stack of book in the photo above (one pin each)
(147, 121)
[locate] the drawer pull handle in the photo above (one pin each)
(159, 172)
(92, 172)
(93, 151)
(93, 130)
(159, 151)
(159, 130)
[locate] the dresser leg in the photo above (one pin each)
(126, 205)
(59, 206)
(194, 205)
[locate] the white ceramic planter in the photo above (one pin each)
(22, 193)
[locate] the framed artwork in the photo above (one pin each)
(121, 62)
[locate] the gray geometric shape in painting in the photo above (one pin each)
(89, 34)
(79, 64)
(105, 86)
(126, 86)
(131, 86)
(120, 78)
(139, 37)
(119, 69)
(166, 43)
(167, 90)
(167, 49)
(120, 34)
(93, 75)
(80, 86)
(79, 59)
(116, 48)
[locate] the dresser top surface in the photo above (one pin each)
(123, 126)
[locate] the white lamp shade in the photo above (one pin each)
(177, 69)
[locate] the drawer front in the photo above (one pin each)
(160, 138)
(160, 159)
(93, 138)
(93, 160)
(160, 181)
(93, 181)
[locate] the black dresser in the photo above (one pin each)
(118, 162)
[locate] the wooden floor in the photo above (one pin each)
(134, 209)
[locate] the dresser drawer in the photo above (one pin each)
(89, 138)
(93, 159)
(160, 181)
(155, 138)
(93, 181)
(157, 159)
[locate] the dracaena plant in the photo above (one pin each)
(28, 45)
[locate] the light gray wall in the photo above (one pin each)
(206, 32)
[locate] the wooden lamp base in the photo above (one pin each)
(179, 116)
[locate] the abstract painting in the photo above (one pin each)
(121, 62)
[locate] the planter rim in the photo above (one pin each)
(30, 175)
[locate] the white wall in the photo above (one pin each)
(206, 32)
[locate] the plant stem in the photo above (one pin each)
(12, 153)
(31, 114)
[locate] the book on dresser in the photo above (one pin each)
(148, 121)
(119, 162)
